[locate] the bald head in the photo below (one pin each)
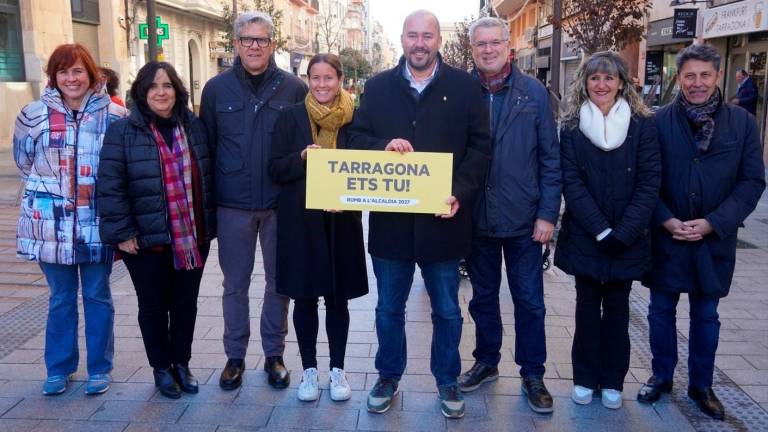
(422, 15)
(421, 40)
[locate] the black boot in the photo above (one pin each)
(651, 391)
(187, 381)
(278, 375)
(232, 375)
(166, 383)
(708, 402)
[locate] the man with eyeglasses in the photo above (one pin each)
(239, 108)
(514, 215)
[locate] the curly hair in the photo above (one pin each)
(607, 62)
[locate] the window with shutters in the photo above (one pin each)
(11, 51)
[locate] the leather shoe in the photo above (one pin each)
(187, 381)
(232, 375)
(651, 391)
(708, 402)
(277, 375)
(166, 383)
(539, 399)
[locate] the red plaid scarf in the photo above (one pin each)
(496, 81)
(177, 179)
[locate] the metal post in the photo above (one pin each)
(554, 64)
(152, 30)
(234, 9)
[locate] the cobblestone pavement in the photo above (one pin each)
(132, 404)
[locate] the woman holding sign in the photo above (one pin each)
(611, 176)
(319, 253)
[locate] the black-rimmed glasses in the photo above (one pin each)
(248, 41)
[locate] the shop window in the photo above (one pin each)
(11, 52)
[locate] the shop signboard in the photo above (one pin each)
(684, 25)
(747, 16)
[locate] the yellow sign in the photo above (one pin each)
(382, 181)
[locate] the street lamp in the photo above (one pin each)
(675, 3)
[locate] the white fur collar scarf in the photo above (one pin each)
(605, 132)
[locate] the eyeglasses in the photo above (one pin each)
(493, 44)
(247, 41)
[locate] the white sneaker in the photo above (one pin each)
(340, 390)
(582, 395)
(308, 389)
(611, 398)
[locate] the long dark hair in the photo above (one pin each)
(330, 59)
(143, 83)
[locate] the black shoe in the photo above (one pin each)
(476, 376)
(166, 383)
(539, 398)
(187, 381)
(651, 391)
(708, 402)
(277, 375)
(232, 375)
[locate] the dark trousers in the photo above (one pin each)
(526, 284)
(306, 324)
(600, 353)
(167, 304)
(703, 336)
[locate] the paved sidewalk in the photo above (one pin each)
(134, 405)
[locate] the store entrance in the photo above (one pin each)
(757, 70)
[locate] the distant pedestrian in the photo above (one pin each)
(112, 82)
(611, 177)
(423, 104)
(239, 108)
(56, 146)
(155, 196)
(514, 215)
(712, 179)
(319, 253)
(746, 93)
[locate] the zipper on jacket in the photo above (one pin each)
(75, 176)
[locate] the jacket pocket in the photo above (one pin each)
(230, 118)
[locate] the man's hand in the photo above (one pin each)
(454, 203)
(399, 145)
(542, 231)
(129, 246)
(698, 227)
(304, 152)
(683, 231)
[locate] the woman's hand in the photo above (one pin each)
(129, 246)
(304, 152)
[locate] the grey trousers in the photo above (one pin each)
(238, 232)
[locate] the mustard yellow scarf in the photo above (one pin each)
(326, 121)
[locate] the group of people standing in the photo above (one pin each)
(650, 197)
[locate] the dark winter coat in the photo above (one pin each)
(318, 253)
(131, 193)
(615, 189)
(450, 117)
(523, 182)
(722, 185)
(747, 95)
(240, 127)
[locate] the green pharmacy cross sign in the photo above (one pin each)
(162, 31)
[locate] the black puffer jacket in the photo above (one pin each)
(131, 195)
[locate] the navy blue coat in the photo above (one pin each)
(319, 254)
(240, 128)
(617, 189)
(722, 185)
(448, 117)
(523, 182)
(747, 95)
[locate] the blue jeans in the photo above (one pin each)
(703, 336)
(61, 352)
(393, 280)
(522, 256)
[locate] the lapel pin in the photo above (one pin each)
(445, 98)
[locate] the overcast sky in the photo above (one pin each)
(391, 13)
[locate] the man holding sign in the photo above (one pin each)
(423, 105)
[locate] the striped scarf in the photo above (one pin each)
(177, 180)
